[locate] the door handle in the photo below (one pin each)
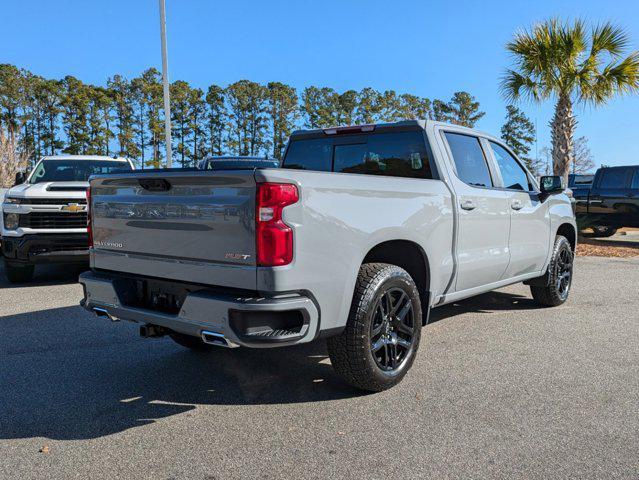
(468, 205)
(516, 205)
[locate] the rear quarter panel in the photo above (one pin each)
(341, 217)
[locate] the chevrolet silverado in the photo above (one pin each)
(44, 213)
(355, 238)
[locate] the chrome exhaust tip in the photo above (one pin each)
(101, 312)
(217, 339)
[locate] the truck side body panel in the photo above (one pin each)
(340, 217)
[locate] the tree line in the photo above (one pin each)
(125, 116)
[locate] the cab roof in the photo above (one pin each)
(403, 125)
(85, 157)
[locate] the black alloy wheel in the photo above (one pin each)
(392, 330)
(558, 280)
(563, 272)
(379, 344)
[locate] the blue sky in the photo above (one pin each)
(430, 49)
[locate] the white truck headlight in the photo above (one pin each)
(11, 201)
(11, 221)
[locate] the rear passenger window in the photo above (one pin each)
(349, 157)
(614, 178)
(513, 175)
(469, 159)
(635, 181)
(392, 154)
(314, 154)
(401, 154)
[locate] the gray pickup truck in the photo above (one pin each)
(355, 238)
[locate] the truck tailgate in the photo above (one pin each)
(195, 226)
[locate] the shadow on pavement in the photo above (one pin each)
(625, 242)
(65, 374)
(45, 275)
(486, 303)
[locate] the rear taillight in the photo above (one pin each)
(274, 238)
(89, 229)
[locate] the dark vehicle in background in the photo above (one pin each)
(580, 185)
(612, 201)
(236, 162)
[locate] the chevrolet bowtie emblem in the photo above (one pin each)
(73, 208)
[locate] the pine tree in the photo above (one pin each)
(320, 106)
(216, 119)
(390, 108)
(368, 106)
(180, 92)
(10, 99)
(150, 88)
(48, 94)
(75, 115)
(439, 111)
(247, 117)
(30, 116)
(100, 120)
(139, 107)
(124, 102)
(462, 109)
(412, 107)
(519, 132)
(346, 108)
(197, 125)
(283, 112)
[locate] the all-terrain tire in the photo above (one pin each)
(351, 352)
(555, 292)
(18, 273)
(189, 341)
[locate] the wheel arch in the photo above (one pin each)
(411, 257)
(568, 230)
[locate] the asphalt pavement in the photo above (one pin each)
(500, 389)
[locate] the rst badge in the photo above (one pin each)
(237, 256)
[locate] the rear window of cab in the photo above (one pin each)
(395, 154)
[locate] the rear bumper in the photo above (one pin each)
(47, 248)
(239, 319)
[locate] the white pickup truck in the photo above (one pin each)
(355, 238)
(44, 214)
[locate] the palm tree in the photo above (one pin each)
(562, 61)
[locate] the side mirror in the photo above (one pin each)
(21, 177)
(552, 184)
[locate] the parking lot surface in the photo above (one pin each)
(500, 389)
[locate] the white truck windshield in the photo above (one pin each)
(74, 170)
